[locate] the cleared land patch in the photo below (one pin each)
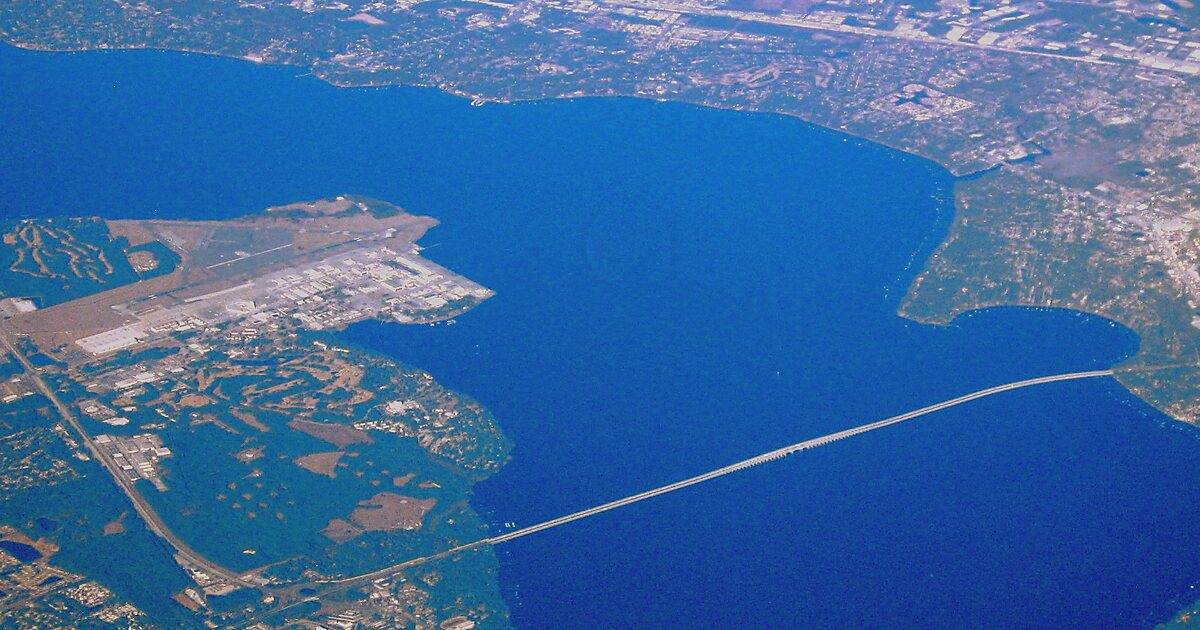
(320, 463)
(340, 530)
(388, 511)
(336, 434)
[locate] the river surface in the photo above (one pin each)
(677, 289)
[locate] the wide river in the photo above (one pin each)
(679, 288)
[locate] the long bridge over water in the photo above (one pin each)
(335, 585)
(328, 587)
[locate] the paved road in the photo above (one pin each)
(155, 523)
(732, 468)
(806, 22)
(143, 508)
(334, 586)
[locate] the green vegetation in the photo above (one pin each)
(263, 446)
(51, 261)
(167, 260)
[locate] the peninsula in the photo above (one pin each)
(197, 366)
(1071, 124)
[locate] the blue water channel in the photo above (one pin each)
(679, 288)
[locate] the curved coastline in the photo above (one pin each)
(468, 324)
(906, 307)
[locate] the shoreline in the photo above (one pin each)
(903, 308)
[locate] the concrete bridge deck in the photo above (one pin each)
(720, 472)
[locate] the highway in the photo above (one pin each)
(719, 472)
(790, 450)
(143, 507)
(809, 23)
(155, 523)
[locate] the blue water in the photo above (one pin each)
(20, 550)
(678, 289)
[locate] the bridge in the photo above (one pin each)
(785, 451)
(336, 585)
(327, 587)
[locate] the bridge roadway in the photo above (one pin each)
(156, 525)
(336, 585)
